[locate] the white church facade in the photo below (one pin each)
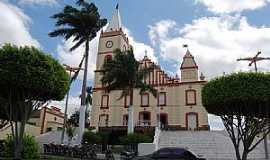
(178, 105)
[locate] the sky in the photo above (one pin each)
(217, 32)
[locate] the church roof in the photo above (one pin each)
(115, 23)
(188, 61)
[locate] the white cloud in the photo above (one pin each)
(38, 2)
(229, 6)
(14, 26)
(74, 58)
(73, 104)
(161, 30)
(216, 43)
(140, 48)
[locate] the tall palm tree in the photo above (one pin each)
(81, 25)
(123, 73)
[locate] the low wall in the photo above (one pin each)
(146, 148)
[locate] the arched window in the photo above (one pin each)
(162, 99)
(126, 101)
(144, 99)
(105, 101)
(103, 120)
(125, 120)
(144, 118)
(108, 57)
(191, 97)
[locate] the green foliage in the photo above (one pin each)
(123, 72)
(30, 147)
(80, 24)
(29, 70)
(95, 138)
(75, 117)
(238, 93)
(135, 138)
(28, 75)
(91, 138)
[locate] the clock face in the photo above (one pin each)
(109, 44)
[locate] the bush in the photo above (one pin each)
(30, 147)
(135, 138)
(91, 138)
(95, 138)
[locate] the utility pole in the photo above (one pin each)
(70, 70)
(254, 60)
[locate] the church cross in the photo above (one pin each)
(254, 60)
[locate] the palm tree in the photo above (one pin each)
(123, 73)
(81, 25)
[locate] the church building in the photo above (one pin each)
(178, 105)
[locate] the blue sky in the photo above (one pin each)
(217, 31)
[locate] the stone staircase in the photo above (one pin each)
(214, 145)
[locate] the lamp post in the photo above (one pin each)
(70, 70)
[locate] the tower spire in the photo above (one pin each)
(115, 23)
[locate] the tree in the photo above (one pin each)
(29, 78)
(80, 24)
(122, 72)
(242, 101)
(75, 117)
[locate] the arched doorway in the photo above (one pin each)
(144, 118)
(163, 119)
(192, 120)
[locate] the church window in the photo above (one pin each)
(191, 97)
(162, 99)
(125, 120)
(126, 101)
(103, 120)
(145, 100)
(108, 57)
(105, 101)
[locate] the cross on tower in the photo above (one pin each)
(185, 46)
(254, 60)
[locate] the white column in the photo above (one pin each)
(81, 124)
(130, 120)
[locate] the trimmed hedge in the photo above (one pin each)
(238, 93)
(135, 138)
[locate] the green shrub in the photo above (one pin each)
(91, 138)
(135, 138)
(30, 147)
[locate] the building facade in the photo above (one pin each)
(178, 105)
(44, 120)
(47, 119)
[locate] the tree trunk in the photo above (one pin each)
(83, 95)
(130, 112)
(244, 155)
(17, 154)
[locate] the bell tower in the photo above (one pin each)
(189, 68)
(110, 39)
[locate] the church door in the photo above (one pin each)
(192, 121)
